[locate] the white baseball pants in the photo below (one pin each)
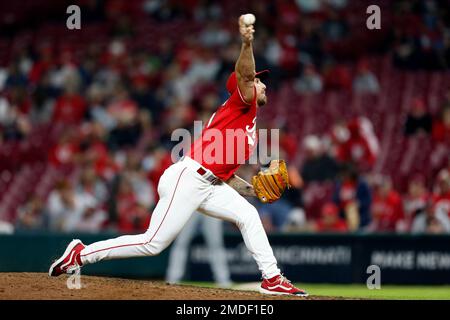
(182, 191)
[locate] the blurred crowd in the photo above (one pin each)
(116, 106)
(337, 190)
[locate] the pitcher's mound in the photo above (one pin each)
(41, 286)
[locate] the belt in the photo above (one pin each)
(210, 177)
(206, 174)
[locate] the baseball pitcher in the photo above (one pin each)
(211, 187)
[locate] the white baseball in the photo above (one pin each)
(249, 19)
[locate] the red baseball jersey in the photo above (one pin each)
(229, 138)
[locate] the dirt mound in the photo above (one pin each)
(41, 286)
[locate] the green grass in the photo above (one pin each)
(391, 292)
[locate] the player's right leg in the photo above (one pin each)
(225, 203)
(181, 192)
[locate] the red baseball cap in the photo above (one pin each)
(232, 81)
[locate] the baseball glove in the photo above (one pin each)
(269, 184)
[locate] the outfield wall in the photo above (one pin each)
(403, 259)
(35, 253)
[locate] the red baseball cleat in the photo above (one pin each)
(279, 285)
(69, 260)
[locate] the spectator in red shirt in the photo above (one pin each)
(289, 62)
(441, 127)
(337, 77)
(155, 163)
(353, 197)
(362, 145)
(338, 135)
(65, 151)
(95, 152)
(70, 108)
(104, 165)
(131, 216)
(330, 220)
(42, 65)
(387, 206)
(289, 144)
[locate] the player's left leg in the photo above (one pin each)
(227, 204)
(181, 191)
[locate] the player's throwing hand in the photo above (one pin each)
(246, 30)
